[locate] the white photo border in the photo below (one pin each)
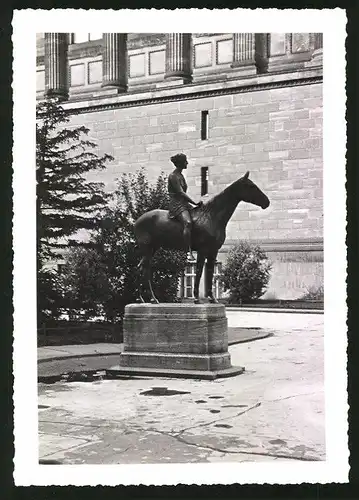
(332, 23)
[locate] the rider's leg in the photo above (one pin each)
(187, 228)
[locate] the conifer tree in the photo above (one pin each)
(66, 200)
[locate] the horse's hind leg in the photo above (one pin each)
(145, 266)
(147, 276)
(199, 269)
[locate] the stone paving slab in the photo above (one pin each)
(48, 352)
(274, 411)
(273, 322)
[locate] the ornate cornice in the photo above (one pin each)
(92, 48)
(198, 35)
(93, 106)
(140, 40)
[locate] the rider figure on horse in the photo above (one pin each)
(179, 200)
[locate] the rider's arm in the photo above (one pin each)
(177, 188)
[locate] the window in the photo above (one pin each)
(40, 80)
(216, 286)
(94, 69)
(95, 36)
(203, 55)
(186, 282)
(137, 64)
(204, 180)
(189, 277)
(85, 37)
(204, 125)
(224, 51)
(157, 62)
(77, 75)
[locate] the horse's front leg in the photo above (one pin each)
(153, 299)
(199, 269)
(148, 276)
(211, 261)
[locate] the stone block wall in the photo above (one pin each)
(292, 278)
(275, 133)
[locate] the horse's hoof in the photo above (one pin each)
(212, 300)
(197, 301)
(154, 301)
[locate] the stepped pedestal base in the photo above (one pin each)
(176, 340)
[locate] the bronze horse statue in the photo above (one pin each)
(155, 229)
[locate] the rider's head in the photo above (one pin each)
(179, 160)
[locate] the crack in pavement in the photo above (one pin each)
(65, 450)
(178, 435)
(233, 452)
(292, 396)
(220, 419)
(72, 436)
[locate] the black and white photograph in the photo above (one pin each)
(179, 247)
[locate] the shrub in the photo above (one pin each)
(314, 293)
(85, 283)
(101, 280)
(246, 273)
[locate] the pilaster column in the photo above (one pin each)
(316, 44)
(114, 61)
(244, 53)
(261, 52)
(178, 56)
(318, 41)
(56, 65)
(317, 56)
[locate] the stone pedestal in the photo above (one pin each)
(176, 340)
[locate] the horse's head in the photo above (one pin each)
(251, 193)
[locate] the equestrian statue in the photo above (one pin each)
(201, 227)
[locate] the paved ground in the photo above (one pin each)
(274, 411)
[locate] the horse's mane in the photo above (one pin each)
(211, 207)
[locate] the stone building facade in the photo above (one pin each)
(232, 102)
